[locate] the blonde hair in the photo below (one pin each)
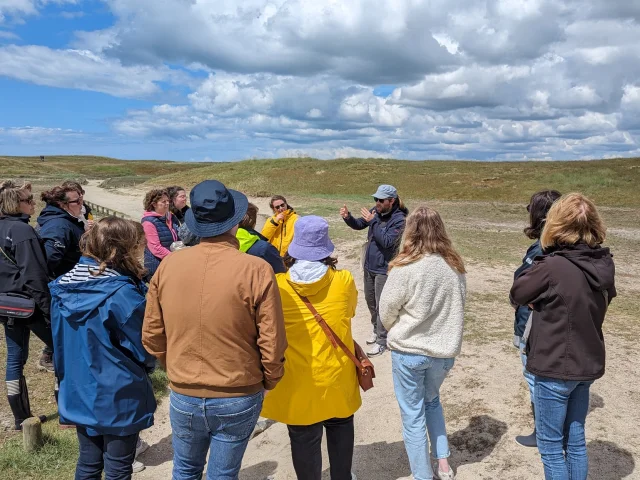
(573, 219)
(425, 233)
(115, 243)
(11, 195)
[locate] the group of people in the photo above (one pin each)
(248, 324)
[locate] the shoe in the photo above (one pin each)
(137, 466)
(353, 476)
(46, 362)
(443, 475)
(141, 447)
(376, 350)
(372, 339)
(529, 440)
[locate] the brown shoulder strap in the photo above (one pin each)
(333, 338)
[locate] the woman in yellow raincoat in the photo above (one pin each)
(278, 229)
(320, 388)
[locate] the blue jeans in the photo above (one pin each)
(17, 336)
(221, 425)
(561, 410)
(417, 380)
(528, 376)
(112, 453)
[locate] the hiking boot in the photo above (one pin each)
(376, 350)
(529, 440)
(46, 362)
(137, 466)
(372, 339)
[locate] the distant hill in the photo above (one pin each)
(609, 182)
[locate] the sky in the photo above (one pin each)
(222, 80)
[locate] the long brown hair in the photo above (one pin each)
(425, 233)
(116, 243)
(538, 208)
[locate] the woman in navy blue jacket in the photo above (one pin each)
(537, 208)
(96, 317)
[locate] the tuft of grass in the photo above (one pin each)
(55, 460)
(160, 383)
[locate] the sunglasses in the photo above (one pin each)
(380, 200)
(77, 202)
(278, 207)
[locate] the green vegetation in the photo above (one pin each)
(608, 182)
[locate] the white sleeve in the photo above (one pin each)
(394, 296)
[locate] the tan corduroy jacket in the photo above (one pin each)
(214, 320)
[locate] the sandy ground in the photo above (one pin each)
(485, 400)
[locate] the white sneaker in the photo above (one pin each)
(443, 475)
(372, 339)
(376, 350)
(137, 466)
(141, 447)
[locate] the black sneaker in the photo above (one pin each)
(46, 362)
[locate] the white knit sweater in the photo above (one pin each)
(422, 307)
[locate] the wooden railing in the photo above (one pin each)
(99, 209)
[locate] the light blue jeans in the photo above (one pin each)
(528, 376)
(221, 425)
(417, 380)
(561, 411)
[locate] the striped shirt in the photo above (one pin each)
(82, 272)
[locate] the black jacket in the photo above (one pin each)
(383, 237)
(61, 234)
(29, 275)
(570, 289)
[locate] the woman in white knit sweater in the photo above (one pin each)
(422, 306)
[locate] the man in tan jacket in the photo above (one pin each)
(214, 321)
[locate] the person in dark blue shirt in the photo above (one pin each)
(537, 208)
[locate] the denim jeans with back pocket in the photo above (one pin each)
(561, 411)
(219, 425)
(417, 380)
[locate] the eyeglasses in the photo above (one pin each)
(380, 200)
(28, 200)
(77, 202)
(278, 207)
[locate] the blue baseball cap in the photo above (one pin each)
(386, 191)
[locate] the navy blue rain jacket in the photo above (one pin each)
(383, 238)
(61, 233)
(523, 311)
(100, 361)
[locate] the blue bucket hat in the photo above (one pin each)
(214, 209)
(386, 191)
(311, 239)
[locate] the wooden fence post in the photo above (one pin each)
(32, 434)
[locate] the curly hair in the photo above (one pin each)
(152, 197)
(58, 194)
(75, 185)
(11, 195)
(116, 243)
(172, 192)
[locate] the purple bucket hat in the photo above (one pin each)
(311, 239)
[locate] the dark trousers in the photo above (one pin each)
(306, 442)
(373, 285)
(17, 336)
(109, 452)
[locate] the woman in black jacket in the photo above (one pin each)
(569, 289)
(23, 270)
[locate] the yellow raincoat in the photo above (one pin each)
(280, 234)
(319, 381)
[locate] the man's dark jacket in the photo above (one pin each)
(383, 237)
(570, 289)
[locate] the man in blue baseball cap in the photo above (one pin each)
(214, 321)
(386, 223)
